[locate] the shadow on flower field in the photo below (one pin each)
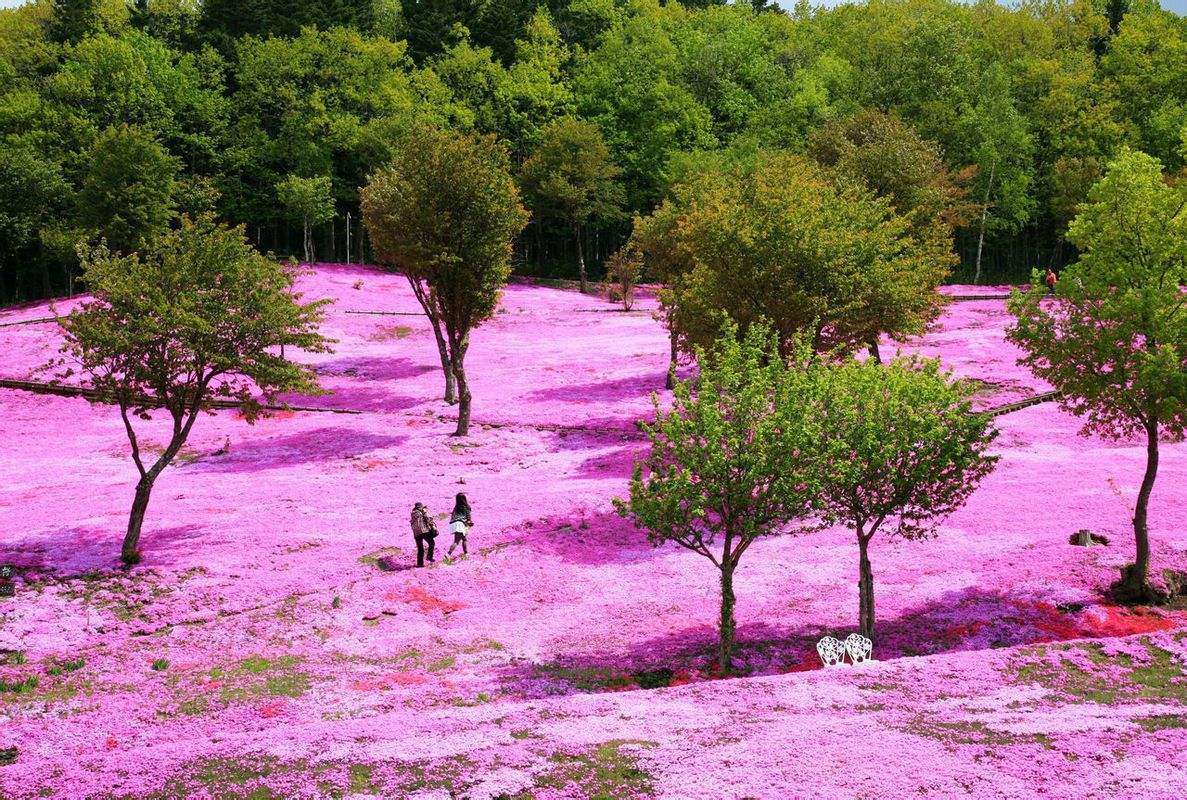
(589, 538)
(374, 368)
(318, 445)
(81, 552)
(609, 391)
(972, 619)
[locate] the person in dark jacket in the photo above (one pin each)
(460, 523)
(424, 531)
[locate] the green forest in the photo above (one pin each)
(988, 123)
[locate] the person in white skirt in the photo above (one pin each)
(460, 523)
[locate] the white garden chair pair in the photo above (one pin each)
(833, 651)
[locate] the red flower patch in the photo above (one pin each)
(272, 709)
(389, 681)
(426, 602)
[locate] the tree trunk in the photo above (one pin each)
(865, 589)
(727, 626)
(422, 297)
(670, 382)
(446, 367)
(984, 214)
(580, 259)
(875, 353)
(463, 390)
(1135, 581)
(130, 553)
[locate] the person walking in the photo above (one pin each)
(424, 531)
(1051, 279)
(460, 523)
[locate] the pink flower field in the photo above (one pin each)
(277, 640)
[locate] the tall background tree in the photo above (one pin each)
(198, 316)
(127, 189)
(727, 464)
(571, 176)
(1113, 340)
(444, 215)
(777, 239)
(310, 202)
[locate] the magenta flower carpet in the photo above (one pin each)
(277, 641)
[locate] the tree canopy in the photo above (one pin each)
(729, 460)
(776, 239)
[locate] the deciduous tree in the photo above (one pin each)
(729, 461)
(127, 189)
(309, 200)
(571, 176)
(197, 316)
(1113, 339)
(444, 215)
(899, 449)
(781, 240)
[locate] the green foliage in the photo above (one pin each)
(1113, 340)
(890, 159)
(1023, 106)
(126, 195)
(777, 239)
(728, 462)
(223, 309)
(306, 198)
(223, 21)
(570, 175)
(899, 450)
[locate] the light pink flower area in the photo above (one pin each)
(277, 641)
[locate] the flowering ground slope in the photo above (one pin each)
(276, 643)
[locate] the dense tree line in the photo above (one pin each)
(117, 118)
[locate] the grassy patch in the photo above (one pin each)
(251, 679)
(360, 778)
(441, 663)
(1106, 679)
(972, 732)
(62, 666)
(481, 698)
(256, 777)
(1162, 722)
(609, 771)
(257, 677)
(373, 558)
(587, 679)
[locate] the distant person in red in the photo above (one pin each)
(424, 531)
(1050, 281)
(460, 523)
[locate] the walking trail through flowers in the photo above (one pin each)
(278, 641)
